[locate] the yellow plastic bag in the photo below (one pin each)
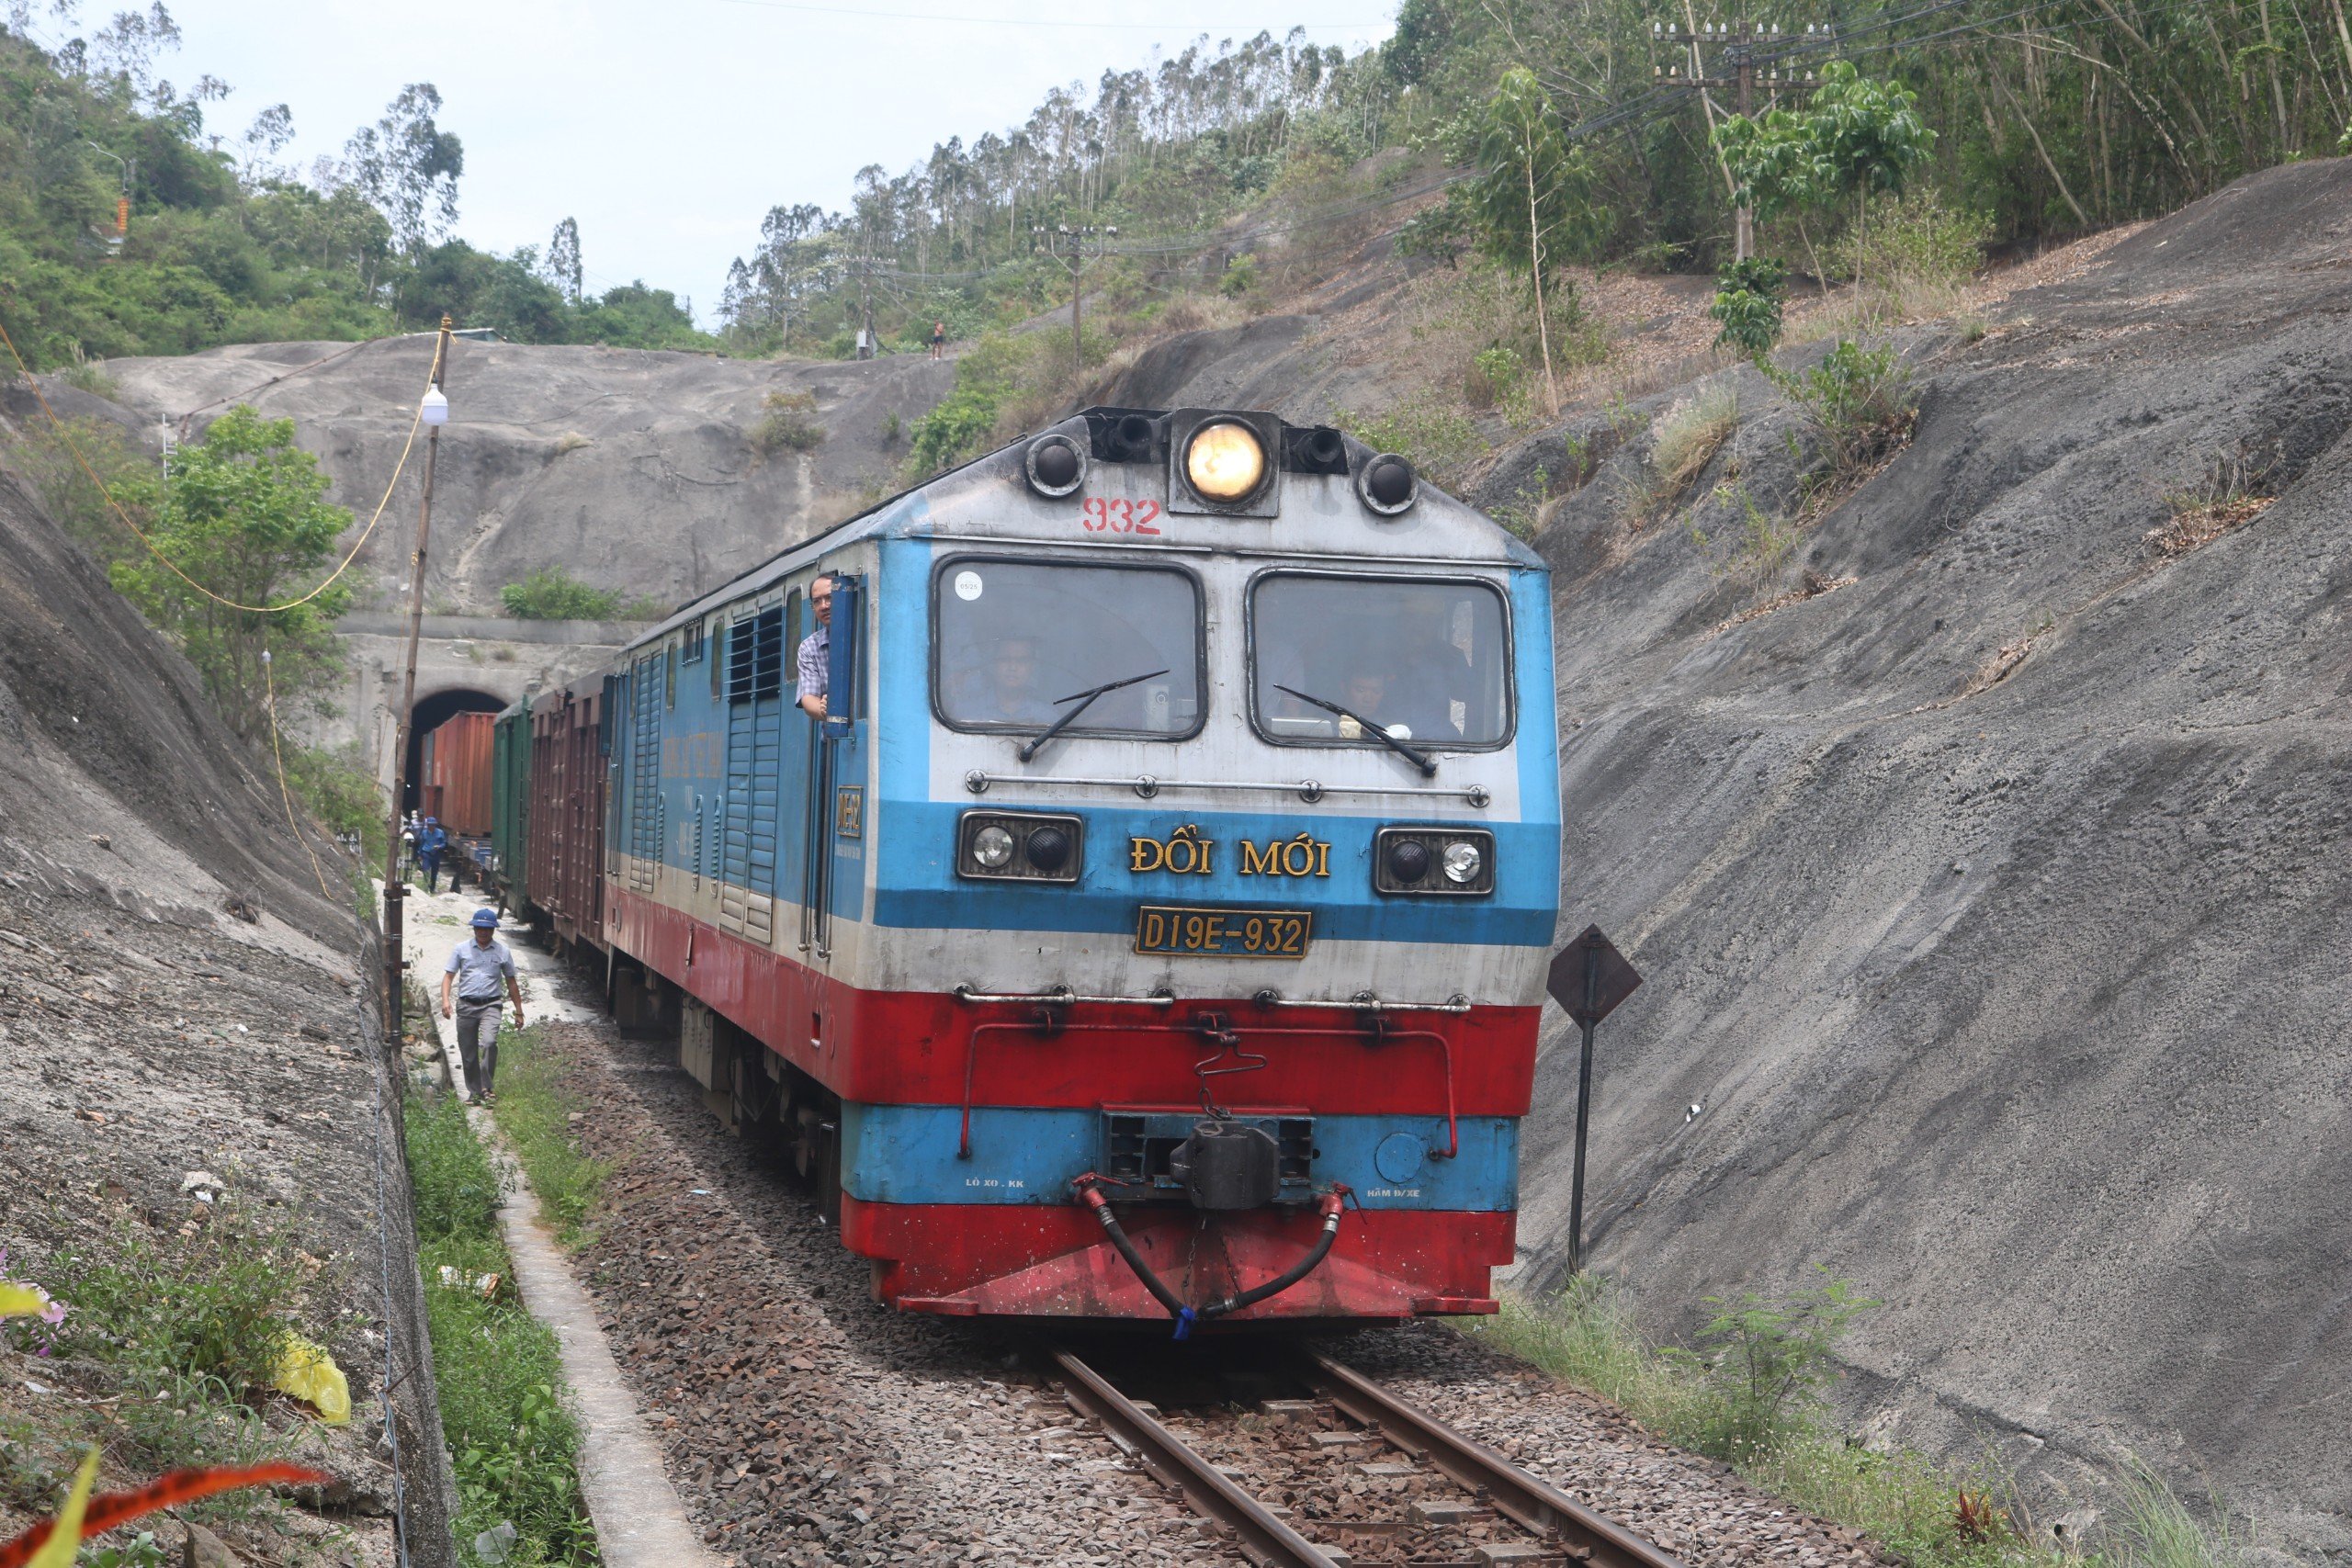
(309, 1374)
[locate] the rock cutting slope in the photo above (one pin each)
(177, 995)
(632, 470)
(1995, 905)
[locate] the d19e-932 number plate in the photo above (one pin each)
(1223, 934)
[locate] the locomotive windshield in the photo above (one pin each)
(1428, 661)
(1020, 645)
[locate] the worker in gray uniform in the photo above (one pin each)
(475, 970)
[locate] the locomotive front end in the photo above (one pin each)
(1215, 861)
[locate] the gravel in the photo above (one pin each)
(804, 1424)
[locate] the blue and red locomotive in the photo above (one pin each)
(1154, 924)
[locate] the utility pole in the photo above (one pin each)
(862, 269)
(1068, 245)
(122, 201)
(1747, 56)
(435, 414)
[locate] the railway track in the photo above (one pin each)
(1431, 1496)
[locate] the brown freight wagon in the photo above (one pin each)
(565, 860)
(457, 773)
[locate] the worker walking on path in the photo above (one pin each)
(429, 845)
(475, 968)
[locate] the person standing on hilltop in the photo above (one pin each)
(817, 650)
(475, 968)
(938, 339)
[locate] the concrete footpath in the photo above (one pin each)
(640, 1521)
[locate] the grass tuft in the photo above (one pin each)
(532, 1110)
(2225, 497)
(1750, 1395)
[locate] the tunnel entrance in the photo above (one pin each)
(431, 714)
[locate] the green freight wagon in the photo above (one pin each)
(510, 805)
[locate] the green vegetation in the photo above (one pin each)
(226, 245)
(788, 424)
(335, 787)
(533, 1110)
(191, 1327)
(2067, 116)
(1747, 303)
(1857, 400)
(1751, 1395)
(498, 1371)
(1440, 442)
(243, 513)
(1006, 383)
(552, 593)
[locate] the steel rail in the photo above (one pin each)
(1542, 1508)
(1212, 1493)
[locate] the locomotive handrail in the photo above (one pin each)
(978, 781)
(1365, 1001)
(1059, 994)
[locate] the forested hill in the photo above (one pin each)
(1531, 138)
(222, 243)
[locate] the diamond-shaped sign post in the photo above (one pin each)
(1589, 978)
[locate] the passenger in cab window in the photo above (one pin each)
(817, 650)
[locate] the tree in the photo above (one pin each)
(1533, 193)
(242, 514)
(407, 167)
(1866, 136)
(563, 260)
(1774, 169)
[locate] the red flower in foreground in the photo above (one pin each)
(108, 1509)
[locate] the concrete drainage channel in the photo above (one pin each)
(640, 1521)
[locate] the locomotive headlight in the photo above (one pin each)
(1225, 461)
(1461, 862)
(992, 847)
(1020, 846)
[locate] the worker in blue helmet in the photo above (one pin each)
(475, 970)
(429, 845)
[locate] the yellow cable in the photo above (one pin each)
(407, 446)
(269, 677)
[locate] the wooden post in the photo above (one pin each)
(395, 882)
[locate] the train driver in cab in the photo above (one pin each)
(1003, 690)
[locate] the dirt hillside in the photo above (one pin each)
(1995, 902)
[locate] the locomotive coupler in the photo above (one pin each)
(1227, 1164)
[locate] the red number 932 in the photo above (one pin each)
(1115, 514)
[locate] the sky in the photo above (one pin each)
(668, 131)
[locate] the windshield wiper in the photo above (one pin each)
(1083, 699)
(1420, 760)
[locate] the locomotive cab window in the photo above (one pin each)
(1427, 661)
(1016, 645)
